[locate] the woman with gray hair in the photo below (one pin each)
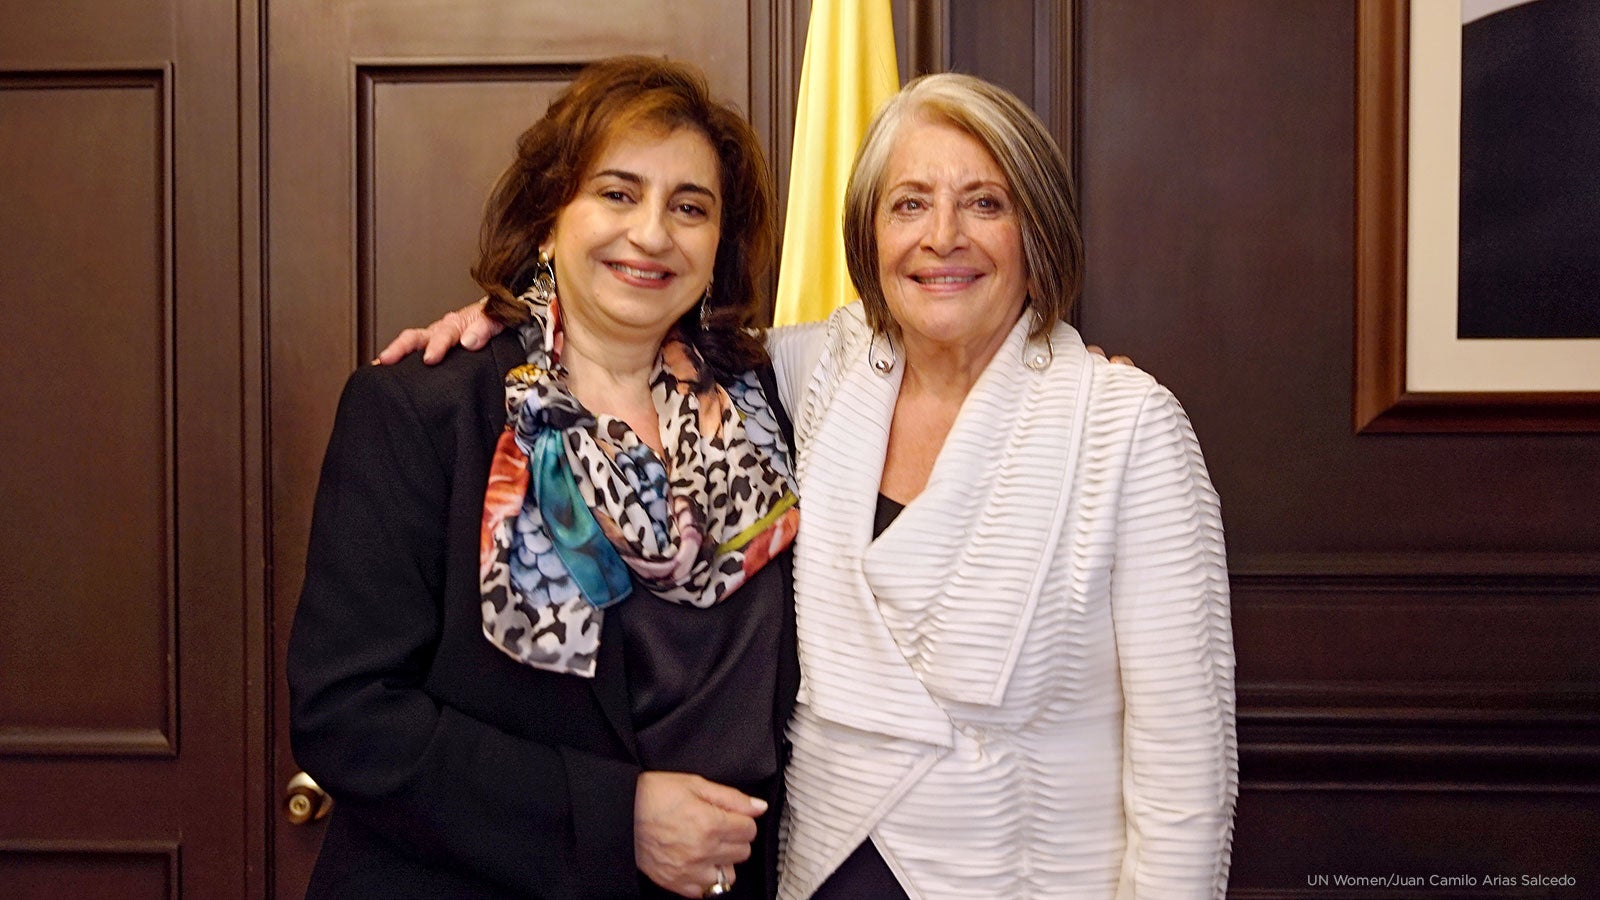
(1011, 590)
(1023, 686)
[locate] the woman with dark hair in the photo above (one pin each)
(545, 644)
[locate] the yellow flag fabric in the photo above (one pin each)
(848, 71)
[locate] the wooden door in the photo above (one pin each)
(387, 124)
(128, 563)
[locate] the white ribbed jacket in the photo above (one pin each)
(1024, 687)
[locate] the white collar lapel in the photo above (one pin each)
(853, 669)
(958, 575)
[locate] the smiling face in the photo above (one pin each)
(635, 248)
(949, 244)
(950, 257)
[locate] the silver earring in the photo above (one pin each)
(543, 287)
(704, 300)
(1038, 352)
(883, 365)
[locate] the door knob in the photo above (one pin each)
(304, 801)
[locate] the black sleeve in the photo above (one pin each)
(445, 787)
(769, 386)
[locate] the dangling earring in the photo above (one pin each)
(883, 365)
(544, 279)
(1034, 356)
(705, 299)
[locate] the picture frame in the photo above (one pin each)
(1411, 373)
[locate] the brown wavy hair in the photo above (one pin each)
(606, 99)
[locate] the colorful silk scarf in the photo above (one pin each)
(578, 508)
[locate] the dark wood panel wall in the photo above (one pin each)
(131, 734)
(125, 696)
(1415, 615)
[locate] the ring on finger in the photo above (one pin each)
(720, 887)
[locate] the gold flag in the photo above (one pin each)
(849, 70)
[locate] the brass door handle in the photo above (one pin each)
(304, 801)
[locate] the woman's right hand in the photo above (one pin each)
(467, 326)
(685, 828)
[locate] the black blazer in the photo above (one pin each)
(455, 771)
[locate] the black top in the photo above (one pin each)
(702, 683)
(885, 514)
(864, 875)
(456, 771)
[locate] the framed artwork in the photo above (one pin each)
(1465, 320)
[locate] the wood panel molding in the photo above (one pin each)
(1362, 892)
(1416, 563)
(371, 77)
(1358, 669)
(928, 24)
(152, 76)
(1056, 77)
(1367, 754)
(72, 877)
(168, 850)
(135, 164)
(777, 45)
(22, 740)
(1303, 842)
